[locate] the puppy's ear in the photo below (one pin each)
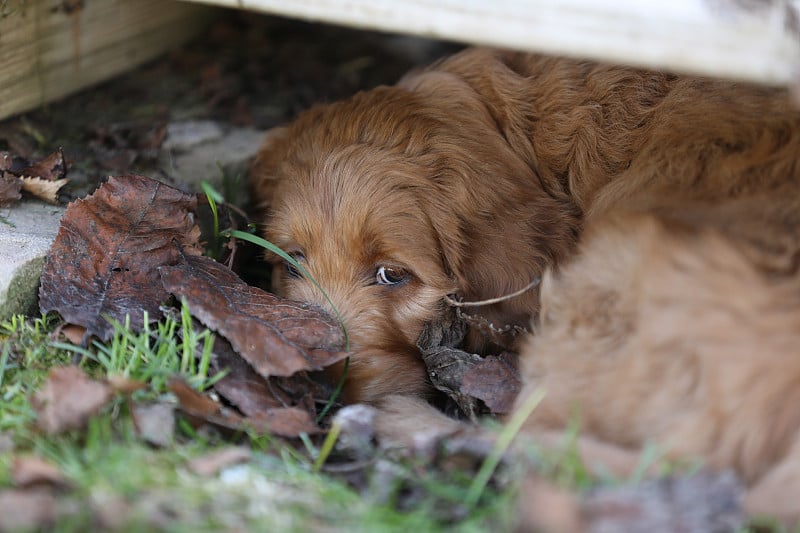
(264, 173)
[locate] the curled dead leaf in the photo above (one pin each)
(42, 189)
(70, 332)
(51, 168)
(277, 337)
(242, 386)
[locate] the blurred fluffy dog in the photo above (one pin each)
(662, 211)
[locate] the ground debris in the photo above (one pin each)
(465, 377)
(28, 510)
(30, 471)
(155, 423)
(212, 463)
(702, 502)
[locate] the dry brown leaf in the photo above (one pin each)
(10, 187)
(242, 386)
(195, 402)
(28, 471)
(277, 337)
(285, 421)
(495, 380)
(155, 423)
(104, 260)
(67, 399)
(43, 189)
(212, 463)
(124, 385)
(71, 332)
(51, 168)
(446, 364)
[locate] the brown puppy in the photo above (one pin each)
(677, 317)
(474, 176)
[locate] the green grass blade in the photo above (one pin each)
(327, 447)
(501, 445)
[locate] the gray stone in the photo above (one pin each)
(214, 160)
(183, 136)
(27, 230)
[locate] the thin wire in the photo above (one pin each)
(499, 299)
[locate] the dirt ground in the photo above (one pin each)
(244, 70)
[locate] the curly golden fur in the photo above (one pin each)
(663, 212)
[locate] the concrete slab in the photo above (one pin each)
(27, 230)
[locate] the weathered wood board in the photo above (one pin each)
(756, 40)
(51, 48)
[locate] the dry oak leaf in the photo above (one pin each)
(103, 263)
(278, 337)
(68, 399)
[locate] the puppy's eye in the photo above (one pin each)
(390, 275)
(291, 270)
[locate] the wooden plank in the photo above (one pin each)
(48, 51)
(743, 39)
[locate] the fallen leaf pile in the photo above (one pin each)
(41, 179)
(130, 249)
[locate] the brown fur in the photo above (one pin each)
(675, 319)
